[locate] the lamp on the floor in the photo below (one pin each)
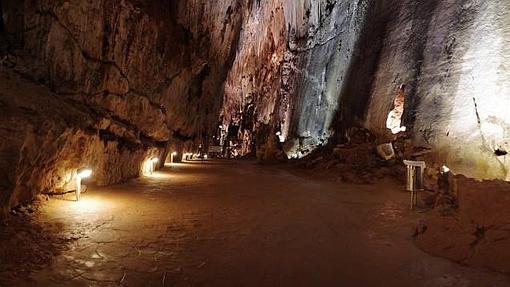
(81, 174)
(154, 161)
(172, 157)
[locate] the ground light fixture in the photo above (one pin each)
(154, 161)
(149, 166)
(172, 157)
(81, 174)
(186, 156)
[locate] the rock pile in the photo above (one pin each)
(471, 223)
(355, 161)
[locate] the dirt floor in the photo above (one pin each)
(227, 224)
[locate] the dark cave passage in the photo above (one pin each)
(278, 142)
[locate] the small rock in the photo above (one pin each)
(386, 151)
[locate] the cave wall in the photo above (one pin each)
(279, 78)
(254, 95)
(292, 64)
(45, 139)
(308, 70)
(143, 76)
(158, 65)
(452, 57)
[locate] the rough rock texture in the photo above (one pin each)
(123, 79)
(452, 57)
(45, 139)
(293, 62)
(308, 70)
(277, 76)
(478, 231)
(157, 65)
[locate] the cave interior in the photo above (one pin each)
(257, 143)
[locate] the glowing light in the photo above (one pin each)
(84, 173)
(205, 156)
(445, 169)
(280, 136)
(293, 156)
(172, 157)
(394, 120)
(80, 174)
(149, 166)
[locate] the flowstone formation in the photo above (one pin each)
(307, 71)
(292, 64)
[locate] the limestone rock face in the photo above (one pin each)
(452, 58)
(274, 78)
(293, 62)
(157, 65)
(45, 140)
(308, 70)
(107, 84)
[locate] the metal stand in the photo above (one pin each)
(415, 171)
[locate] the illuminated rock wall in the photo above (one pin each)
(306, 70)
(453, 58)
(292, 64)
(158, 65)
(271, 76)
(143, 75)
(44, 140)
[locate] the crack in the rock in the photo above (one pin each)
(85, 54)
(144, 137)
(485, 144)
(315, 45)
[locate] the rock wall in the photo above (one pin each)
(293, 61)
(275, 77)
(45, 140)
(143, 75)
(308, 70)
(158, 65)
(452, 58)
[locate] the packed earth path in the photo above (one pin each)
(238, 223)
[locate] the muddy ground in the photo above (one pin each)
(227, 224)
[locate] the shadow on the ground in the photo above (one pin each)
(26, 246)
